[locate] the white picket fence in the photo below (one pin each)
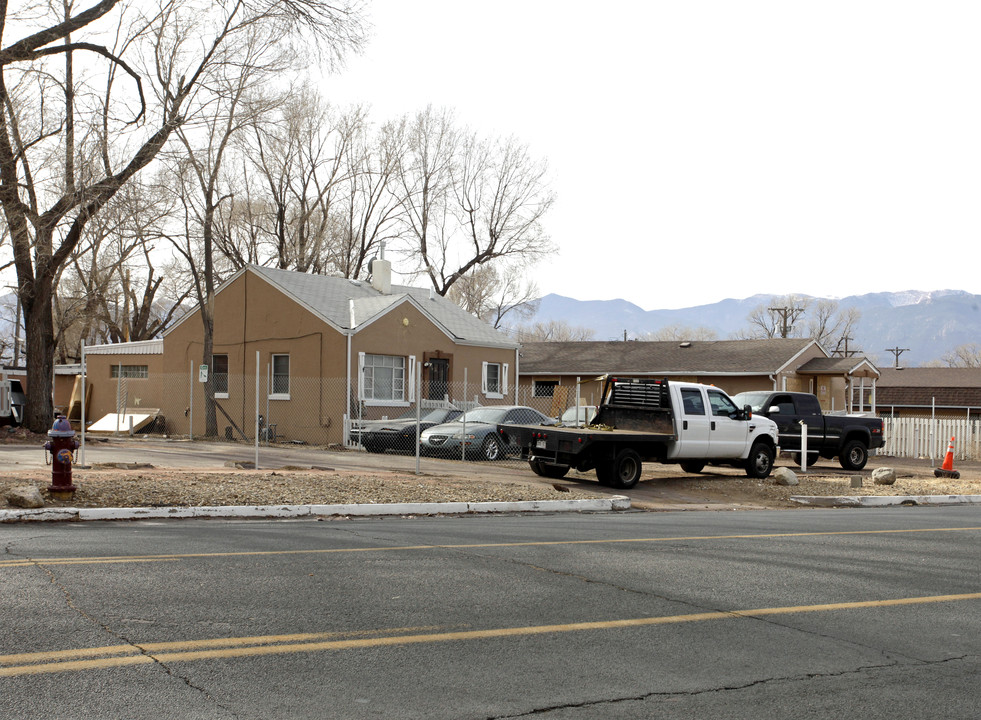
(928, 438)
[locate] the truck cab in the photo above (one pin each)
(708, 423)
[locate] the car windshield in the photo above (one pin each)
(441, 416)
(754, 399)
(490, 415)
(586, 413)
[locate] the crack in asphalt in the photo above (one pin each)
(894, 657)
(725, 688)
(70, 602)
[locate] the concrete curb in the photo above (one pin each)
(616, 502)
(884, 500)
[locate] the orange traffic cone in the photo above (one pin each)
(947, 469)
(949, 458)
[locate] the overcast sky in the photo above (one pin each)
(717, 148)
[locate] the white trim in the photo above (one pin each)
(272, 365)
(387, 403)
(361, 376)
(412, 384)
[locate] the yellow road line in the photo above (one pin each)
(467, 546)
(252, 650)
(35, 657)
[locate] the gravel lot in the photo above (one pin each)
(662, 485)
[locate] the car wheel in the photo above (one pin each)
(550, 471)
(491, 449)
(760, 461)
(692, 466)
(372, 446)
(854, 455)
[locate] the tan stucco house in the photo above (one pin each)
(327, 349)
(792, 364)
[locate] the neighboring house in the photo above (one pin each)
(328, 349)
(922, 392)
(547, 368)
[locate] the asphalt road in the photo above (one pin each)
(867, 614)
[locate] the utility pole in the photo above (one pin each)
(846, 352)
(897, 351)
(787, 316)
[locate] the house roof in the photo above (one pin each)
(836, 366)
(929, 387)
(139, 347)
(352, 304)
(717, 357)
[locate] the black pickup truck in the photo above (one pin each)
(847, 437)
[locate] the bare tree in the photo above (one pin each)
(494, 295)
(299, 155)
(962, 356)
(552, 331)
(831, 325)
(369, 214)
(47, 206)
(469, 201)
(680, 333)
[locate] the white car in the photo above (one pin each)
(586, 415)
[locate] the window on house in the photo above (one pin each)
(545, 388)
(384, 378)
(494, 379)
(280, 377)
(129, 371)
(219, 375)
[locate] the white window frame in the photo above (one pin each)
(542, 384)
(215, 374)
(408, 386)
(272, 364)
(502, 375)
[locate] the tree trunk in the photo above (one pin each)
(39, 334)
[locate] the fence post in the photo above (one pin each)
(257, 410)
(81, 454)
(418, 381)
(190, 404)
(463, 444)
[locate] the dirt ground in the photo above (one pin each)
(661, 487)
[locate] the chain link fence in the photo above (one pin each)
(329, 413)
(325, 412)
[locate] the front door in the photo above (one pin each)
(439, 376)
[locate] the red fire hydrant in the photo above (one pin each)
(62, 446)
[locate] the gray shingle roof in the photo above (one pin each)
(329, 298)
(929, 387)
(696, 357)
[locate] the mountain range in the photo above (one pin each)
(929, 324)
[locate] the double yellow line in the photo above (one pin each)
(220, 648)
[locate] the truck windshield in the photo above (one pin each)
(754, 399)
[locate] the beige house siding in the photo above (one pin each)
(254, 316)
(102, 389)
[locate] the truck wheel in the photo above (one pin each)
(854, 455)
(626, 469)
(491, 449)
(811, 458)
(760, 461)
(550, 471)
(692, 466)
